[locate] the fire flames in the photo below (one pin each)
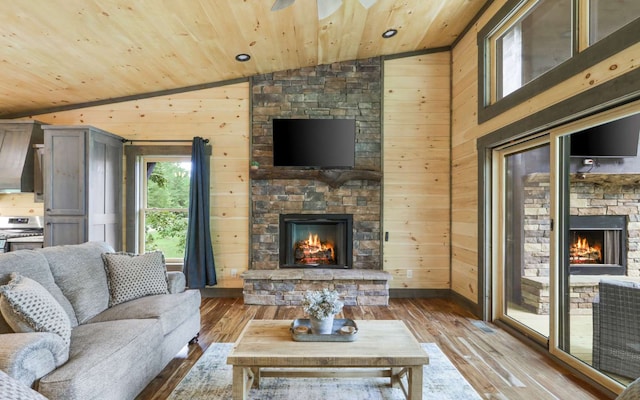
(581, 252)
(313, 251)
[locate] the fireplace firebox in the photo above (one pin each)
(316, 240)
(598, 245)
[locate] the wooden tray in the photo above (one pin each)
(344, 330)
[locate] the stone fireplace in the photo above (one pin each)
(604, 214)
(350, 89)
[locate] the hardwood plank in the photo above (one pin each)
(496, 364)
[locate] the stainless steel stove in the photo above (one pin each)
(21, 232)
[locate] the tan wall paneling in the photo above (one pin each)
(219, 114)
(466, 131)
(416, 171)
(19, 204)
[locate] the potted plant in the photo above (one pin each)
(322, 306)
(254, 165)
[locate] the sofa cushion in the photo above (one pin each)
(29, 307)
(171, 309)
(11, 389)
(79, 272)
(107, 360)
(33, 265)
(131, 276)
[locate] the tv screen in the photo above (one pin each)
(314, 143)
(614, 139)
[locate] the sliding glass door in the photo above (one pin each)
(598, 243)
(522, 219)
(565, 254)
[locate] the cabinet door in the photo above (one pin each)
(64, 230)
(64, 172)
(105, 189)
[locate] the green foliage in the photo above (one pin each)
(167, 188)
(166, 225)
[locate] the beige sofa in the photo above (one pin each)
(115, 345)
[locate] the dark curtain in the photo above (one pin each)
(199, 265)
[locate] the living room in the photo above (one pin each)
(417, 113)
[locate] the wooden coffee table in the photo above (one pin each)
(382, 349)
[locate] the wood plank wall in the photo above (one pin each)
(220, 114)
(416, 159)
(466, 131)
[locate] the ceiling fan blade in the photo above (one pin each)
(280, 4)
(327, 7)
(367, 3)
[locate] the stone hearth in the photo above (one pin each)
(286, 287)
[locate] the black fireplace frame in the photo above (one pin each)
(601, 222)
(285, 237)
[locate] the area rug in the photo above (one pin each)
(210, 378)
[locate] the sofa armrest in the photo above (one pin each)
(28, 357)
(177, 281)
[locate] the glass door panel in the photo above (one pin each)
(600, 283)
(525, 230)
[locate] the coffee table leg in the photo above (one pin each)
(242, 381)
(256, 377)
(415, 382)
(396, 377)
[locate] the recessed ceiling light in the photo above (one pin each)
(243, 57)
(389, 33)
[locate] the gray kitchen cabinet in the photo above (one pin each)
(83, 185)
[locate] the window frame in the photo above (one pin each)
(582, 58)
(134, 156)
(142, 193)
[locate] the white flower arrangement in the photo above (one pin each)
(322, 304)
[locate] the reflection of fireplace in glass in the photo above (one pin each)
(316, 240)
(597, 245)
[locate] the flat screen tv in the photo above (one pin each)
(615, 139)
(314, 143)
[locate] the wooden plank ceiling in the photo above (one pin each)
(56, 54)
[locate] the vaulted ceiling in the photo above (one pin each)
(55, 54)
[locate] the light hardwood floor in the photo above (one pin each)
(498, 365)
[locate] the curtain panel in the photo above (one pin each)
(199, 264)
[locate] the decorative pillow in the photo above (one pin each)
(11, 389)
(132, 276)
(29, 307)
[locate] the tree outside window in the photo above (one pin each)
(165, 205)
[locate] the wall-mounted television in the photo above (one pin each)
(314, 143)
(615, 139)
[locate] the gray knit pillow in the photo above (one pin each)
(29, 307)
(11, 389)
(132, 276)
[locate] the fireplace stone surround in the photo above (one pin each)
(593, 194)
(350, 89)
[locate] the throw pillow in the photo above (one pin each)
(29, 307)
(11, 389)
(131, 276)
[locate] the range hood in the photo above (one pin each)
(17, 140)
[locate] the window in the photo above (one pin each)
(606, 16)
(157, 196)
(164, 205)
(531, 45)
(538, 40)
